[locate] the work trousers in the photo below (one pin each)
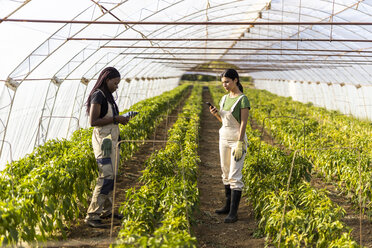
(231, 169)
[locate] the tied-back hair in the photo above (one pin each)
(232, 74)
(106, 74)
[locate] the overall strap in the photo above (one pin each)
(237, 101)
(108, 103)
(222, 102)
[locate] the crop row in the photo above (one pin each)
(158, 213)
(310, 219)
(42, 192)
(339, 146)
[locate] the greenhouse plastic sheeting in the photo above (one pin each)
(48, 68)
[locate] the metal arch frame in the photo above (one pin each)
(320, 71)
(154, 31)
(191, 15)
(257, 54)
(93, 67)
(360, 51)
(324, 34)
(347, 8)
(317, 72)
(202, 30)
(98, 49)
(157, 12)
(46, 57)
(41, 138)
(99, 61)
(336, 62)
(67, 65)
(336, 70)
(15, 11)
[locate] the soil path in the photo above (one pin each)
(210, 230)
(80, 234)
(351, 218)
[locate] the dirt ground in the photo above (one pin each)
(210, 230)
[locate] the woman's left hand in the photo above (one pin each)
(121, 119)
(239, 150)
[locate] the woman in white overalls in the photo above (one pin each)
(233, 113)
(104, 117)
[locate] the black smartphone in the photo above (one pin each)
(209, 104)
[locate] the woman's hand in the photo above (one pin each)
(213, 110)
(239, 150)
(121, 119)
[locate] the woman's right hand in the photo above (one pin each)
(213, 110)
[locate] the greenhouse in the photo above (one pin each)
(118, 118)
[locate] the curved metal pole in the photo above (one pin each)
(347, 7)
(31, 69)
(14, 11)
(168, 28)
(159, 30)
(58, 117)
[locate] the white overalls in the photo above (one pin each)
(101, 203)
(229, 135)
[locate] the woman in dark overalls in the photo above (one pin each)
(104, 117)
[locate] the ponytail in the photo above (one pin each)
(232, 74)
(240, 86)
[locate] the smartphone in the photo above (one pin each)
(209, 104)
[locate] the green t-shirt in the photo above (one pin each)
(243, 103)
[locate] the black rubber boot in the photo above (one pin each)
(233, 214)
(226, 208)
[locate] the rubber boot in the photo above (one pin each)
(226, 208)
(233, 214)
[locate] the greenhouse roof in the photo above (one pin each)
(44, 43)
(71, 39)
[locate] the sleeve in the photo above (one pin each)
(97, 98)
(244, 103)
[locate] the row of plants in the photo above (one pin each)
(43, 192)
(158, 214)
(311, 219)
(339, 146)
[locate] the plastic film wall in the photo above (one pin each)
(26, 120)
